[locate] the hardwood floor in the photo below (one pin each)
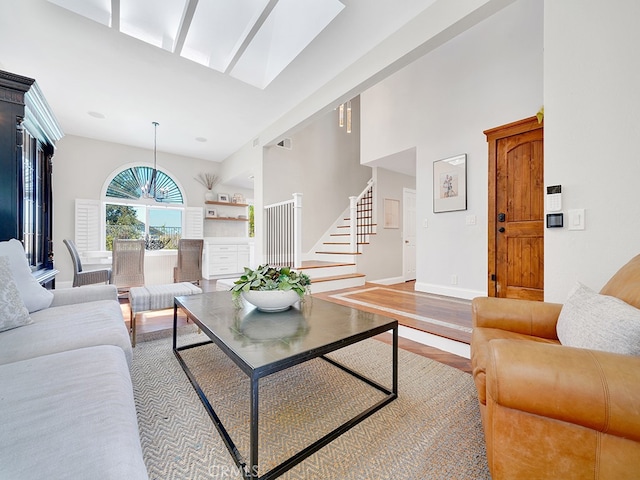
(442, 316)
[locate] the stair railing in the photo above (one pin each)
(360, 218)
(283, 227)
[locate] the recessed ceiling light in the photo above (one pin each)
(201, 139)
(96, 114)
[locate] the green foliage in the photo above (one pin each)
(121, 215)
(252, 225)
(122, 222)
(271, 278)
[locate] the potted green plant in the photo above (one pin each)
(271, 289)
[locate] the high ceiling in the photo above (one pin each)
(104, 84)
(251, 40)
(88, 70)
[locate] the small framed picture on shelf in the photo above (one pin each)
(223, 197)
(238, 198)
(211, 212)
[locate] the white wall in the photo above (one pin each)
(487, 76)
(82, 165)
(382, 258)
(441, 21)
(592, 121)
(324, 165)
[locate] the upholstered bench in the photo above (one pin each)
(224, 284)
(156, 297)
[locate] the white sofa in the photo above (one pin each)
(66, 399)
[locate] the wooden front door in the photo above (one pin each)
(516, 210)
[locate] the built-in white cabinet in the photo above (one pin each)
(225, 259)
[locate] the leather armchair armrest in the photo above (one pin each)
(520, 316)
(89, 293)
(594, 389)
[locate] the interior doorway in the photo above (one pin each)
(409, 234)
(516, 210)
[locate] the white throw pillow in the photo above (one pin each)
(599, 322)
(34, 295)
(13, 313)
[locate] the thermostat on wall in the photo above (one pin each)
(554, 220)
(554, 198)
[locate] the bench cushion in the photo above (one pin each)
(225, 284)
(158, 297)
(70, 415)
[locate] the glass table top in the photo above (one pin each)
(257, 340)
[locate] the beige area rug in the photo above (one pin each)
(432, 431)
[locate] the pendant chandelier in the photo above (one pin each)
(344, 115)
(150, 189)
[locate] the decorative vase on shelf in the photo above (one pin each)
(209, 196)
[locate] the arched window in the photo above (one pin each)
(143, 203)
(137, 183)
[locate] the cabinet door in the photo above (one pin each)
(243, 257)
(221, 259)
(36, 201)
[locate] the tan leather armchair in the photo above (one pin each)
(551, 411)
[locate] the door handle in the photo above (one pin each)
(501, 229)
(502, 217)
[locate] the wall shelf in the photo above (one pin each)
(231, 219)
(227, 204)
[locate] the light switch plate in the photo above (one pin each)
(576, 219)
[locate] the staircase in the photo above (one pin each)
(326, 276)
(334, 266)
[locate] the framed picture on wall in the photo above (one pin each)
(450, 184)
(210, 212)
(391, 213)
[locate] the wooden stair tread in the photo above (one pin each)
(339, 253)
(363, 225)
(337, 277)
(344, 243)
(310, 264)
(346, 234)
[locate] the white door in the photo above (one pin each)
(409, 234)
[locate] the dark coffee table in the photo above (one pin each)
(319, 327)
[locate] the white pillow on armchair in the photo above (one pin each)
(599, 322)
(34, 295)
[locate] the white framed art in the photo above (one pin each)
(450, 184)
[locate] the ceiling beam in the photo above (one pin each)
(115, 15)
(185, 24)
(254, 30)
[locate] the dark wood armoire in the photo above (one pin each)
(28, 134)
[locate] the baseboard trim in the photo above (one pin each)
(387, 281)
(449, 291)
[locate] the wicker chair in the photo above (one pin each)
(189, 267)
(81, 277)
(127, 263)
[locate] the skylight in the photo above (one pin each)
(251, 40)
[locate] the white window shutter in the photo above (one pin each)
(87, 219)
(193, 222)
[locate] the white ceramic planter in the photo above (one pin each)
(271, 300)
